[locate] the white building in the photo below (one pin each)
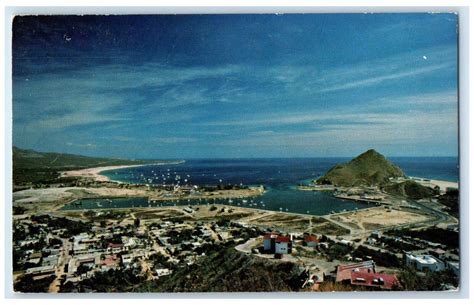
(424, 262)
(283, 245)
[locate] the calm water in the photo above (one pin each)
(279, 176)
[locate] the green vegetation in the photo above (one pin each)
(411, 280)
(411, 190)
(227, 270)
(433, 234)
(26, 283)
(369, 168)
(451, 201)
(72, 227)
(337, 251)
(109, 281)
(385, 259)
(32, 167)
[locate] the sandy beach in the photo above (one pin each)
(95, 172)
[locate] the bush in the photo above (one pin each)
(385, 259)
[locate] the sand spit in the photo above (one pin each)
(95, 172)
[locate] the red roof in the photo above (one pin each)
(383, 281)
(270, 235)
(111, 245)
(109, 260)
(311, 238)
(283, 239)
(344, 271)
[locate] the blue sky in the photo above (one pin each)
(227, 86)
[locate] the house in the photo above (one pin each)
(283, 245)
(275, 243)
(109, 262)
(43, 270)
(424, 262)
(376, 234)
(163, 272)
(310, 241)
(344, 271)
(269, 242)
(374, 280)
(115, 248)
(371, 241)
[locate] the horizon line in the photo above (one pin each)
(223, 158)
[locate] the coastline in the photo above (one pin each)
(96, 172)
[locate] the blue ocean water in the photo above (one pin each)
(279, 176)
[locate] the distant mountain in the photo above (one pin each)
(27, 158)
(369, 168)
(33, 167)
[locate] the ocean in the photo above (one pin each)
(279, 176)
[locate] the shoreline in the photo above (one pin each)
(96, 172)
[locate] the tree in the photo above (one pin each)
(136, 222)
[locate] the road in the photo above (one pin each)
(62, 262)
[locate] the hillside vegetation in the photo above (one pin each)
(369, 168)
(231, 271)
(33, 167)
(410, 189)
(26, 158)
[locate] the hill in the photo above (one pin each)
(31, 167)
(369, 168)
(228, 270)
(27, 158)
(410, 189)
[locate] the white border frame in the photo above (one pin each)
(464, 144)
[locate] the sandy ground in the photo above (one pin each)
(443, 185)
(94, 172)
(377, 218)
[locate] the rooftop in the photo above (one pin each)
(383, 281)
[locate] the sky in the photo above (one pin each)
(236, 86)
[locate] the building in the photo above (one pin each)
(374, 280)
(424, 262)
(43, 270)
(283, 245)
(310, 241)
(344, 272)
(278, 244)
(269, 242)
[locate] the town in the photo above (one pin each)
(71, 252)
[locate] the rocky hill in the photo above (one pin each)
(369, 168)
(410, 189)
